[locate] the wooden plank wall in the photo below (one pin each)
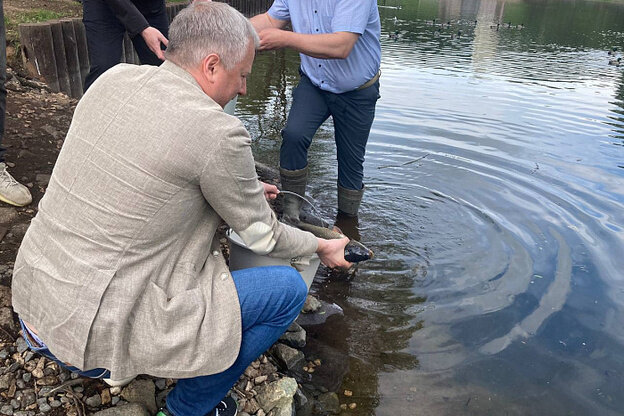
(55, 52)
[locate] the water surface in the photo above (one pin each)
(494, 203)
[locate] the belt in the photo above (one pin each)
(370, 81)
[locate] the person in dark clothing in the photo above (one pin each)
(106, 21)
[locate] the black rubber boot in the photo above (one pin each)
(349, 201)
(293, 181)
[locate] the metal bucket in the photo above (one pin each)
(243, 258)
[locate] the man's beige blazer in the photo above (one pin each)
(120, 269)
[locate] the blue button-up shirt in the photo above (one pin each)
(329, 16)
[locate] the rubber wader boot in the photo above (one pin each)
(349, 200)
(293, 181)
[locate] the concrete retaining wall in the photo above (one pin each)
(55, 52)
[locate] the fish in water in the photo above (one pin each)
(355, 251)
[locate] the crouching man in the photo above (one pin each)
(120, 272)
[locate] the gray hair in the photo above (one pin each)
(206, 27)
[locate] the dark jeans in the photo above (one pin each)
(105, 37)
(3, 76)
(353, 113)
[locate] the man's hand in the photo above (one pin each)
(153, 38)
(270, 191)
(331, 253)
(272, 38)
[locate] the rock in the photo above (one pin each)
(251, 406)
(5, 381)
(20, 342)
(288, 358)
(44, 408)
(7, 409)
(93, 401)
(43, 179)
(278, 394)
(115, 400)
(19, 230)
(49, 380)
(8, 215)
(300, 399)
(143, 392)
(130, 409)
(55, 403)
(161, 384)
(311, 304)
(6, 318)
(294, 339)
(106, 396)
(320, 317)
(115, 390)
(4, 354)
(328, 403)
(5, 296)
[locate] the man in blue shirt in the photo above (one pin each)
(338, 41)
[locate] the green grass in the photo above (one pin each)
(30, 16)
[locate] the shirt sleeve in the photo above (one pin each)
(128, 14)
(230, 185)
(279, 10)
(351, 16)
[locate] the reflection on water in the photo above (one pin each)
(495, 207)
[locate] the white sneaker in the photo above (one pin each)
(11, 191)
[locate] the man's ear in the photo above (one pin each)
(210, 66)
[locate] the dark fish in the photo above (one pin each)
(355, 251)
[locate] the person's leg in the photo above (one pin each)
(104, 38)
(308, 111)
(11, 191)
(157, 18)
(353, 113)
(270, 299)
(3, 77)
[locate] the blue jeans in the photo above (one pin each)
(270, 299)
(352, 112)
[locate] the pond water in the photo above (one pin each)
(495, 206)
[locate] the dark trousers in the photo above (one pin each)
(352, 112)
(105, 36)
(3, 77)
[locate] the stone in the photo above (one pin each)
(115, 400)
(161, 384)
(251, 406)
(6, 317)
(142, 392)
(115, 390)
(130, 409)
(19, 230)
(288, 358)
(5, 296)
(294, 339)
(55, 403)
(28, 356)
(277, 394)
(49, 380)
(4, 354)
(42, 179)
(93, 401)
(20, 342)
(45, 408)
(106, 396)
(7, 409)
(328, 403)
(311, 305)
(300, 399)
(287, 409)
(8, 215)
(5, 381)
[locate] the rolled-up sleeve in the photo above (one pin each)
(230, 185)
